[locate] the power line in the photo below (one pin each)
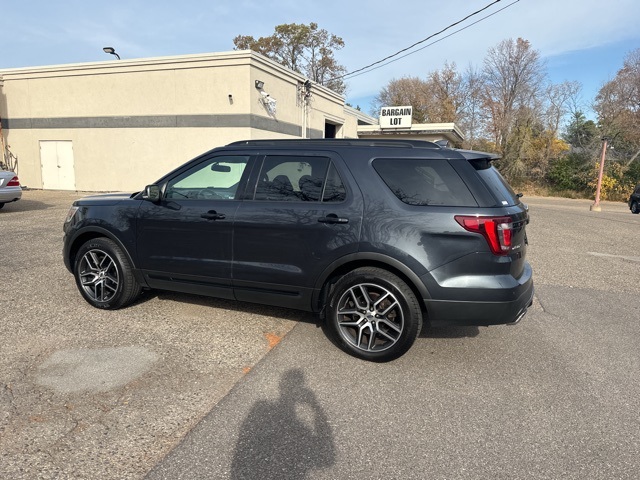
(351, 75)
(421, 41)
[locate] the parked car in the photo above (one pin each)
(634, 200)
(377, 237)
(10, 189)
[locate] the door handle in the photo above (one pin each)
(213, 215)
(333, 218)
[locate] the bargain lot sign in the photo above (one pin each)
(396, 117)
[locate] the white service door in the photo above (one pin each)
(56, 158)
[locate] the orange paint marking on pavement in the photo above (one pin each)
(273, 339)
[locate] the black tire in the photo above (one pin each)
(372, 314)
(104, 275)
(634, 208)
(1, 205)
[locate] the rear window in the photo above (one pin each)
(424, 182)
(497, 184)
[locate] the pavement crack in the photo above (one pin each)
(544, 309)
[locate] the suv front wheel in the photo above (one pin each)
(104, 275)
(373, 314)
(634, 208)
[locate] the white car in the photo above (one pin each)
(10, 189)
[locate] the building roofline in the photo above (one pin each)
(361, 116)
(161, 63)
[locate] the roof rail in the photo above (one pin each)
(359, 142)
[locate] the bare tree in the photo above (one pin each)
(513, 77)
(405, 91)
(470, 118)
(446, 90)
(618, 107)
(513, 80)
(441, 98)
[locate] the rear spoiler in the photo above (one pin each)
(472, 155)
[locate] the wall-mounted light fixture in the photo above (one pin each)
(259, 84)
(111, 51)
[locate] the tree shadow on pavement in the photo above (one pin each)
(284, 438)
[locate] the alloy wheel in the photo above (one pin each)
(370, 317)
(98, 275)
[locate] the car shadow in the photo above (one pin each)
(24, 205)
(290, 314)
(232, 305)
(449, 332)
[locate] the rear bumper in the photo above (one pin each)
(448, 313)
(488, 307)
(10, 194)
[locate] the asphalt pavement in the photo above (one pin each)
(556, 396)
(179, 386)
(90, 394)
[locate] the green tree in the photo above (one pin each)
(306, 49)
(580, 132)
(572, 172)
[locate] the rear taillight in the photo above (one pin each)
(14, 182)
(496, 231)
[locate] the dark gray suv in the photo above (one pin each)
(374, 236)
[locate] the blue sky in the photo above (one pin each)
(579, 40)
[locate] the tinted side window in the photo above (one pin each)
(497, 184)
(334, 190)
(292, 178)
(216, 178)
(424, 182)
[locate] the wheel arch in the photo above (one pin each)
(351, 262)
(84, 235)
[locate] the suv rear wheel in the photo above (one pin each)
(635, 208)
(373, 314)
(104, 275)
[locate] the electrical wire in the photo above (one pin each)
(354, 74)
(368, 67)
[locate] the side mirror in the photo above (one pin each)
(151, 193)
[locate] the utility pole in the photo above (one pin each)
(596, 205)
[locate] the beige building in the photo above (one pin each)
(119, 125)
(122, 124)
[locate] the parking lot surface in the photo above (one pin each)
(86, 393)
(179, 386)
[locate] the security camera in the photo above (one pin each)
(230, 95)
(263, 93)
